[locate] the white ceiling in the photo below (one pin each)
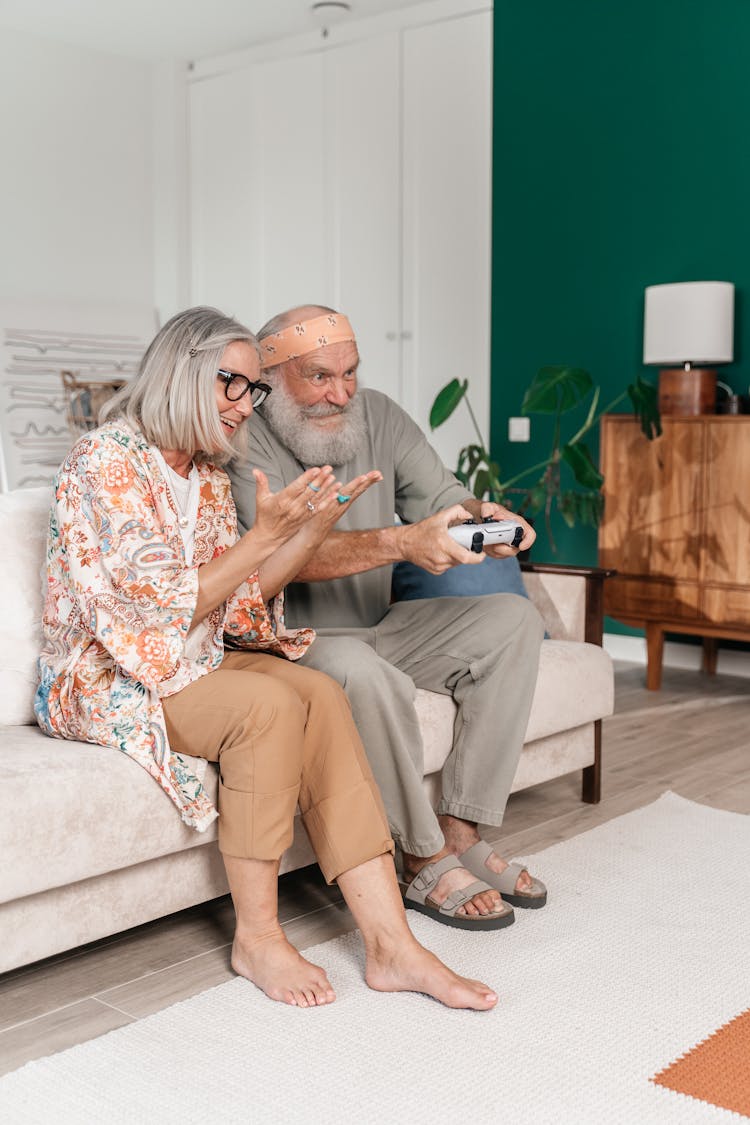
(160, 29)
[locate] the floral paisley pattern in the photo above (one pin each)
(120, 599)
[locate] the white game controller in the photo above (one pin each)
(476, 536)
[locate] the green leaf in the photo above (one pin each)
(536, 498)
(495, 485)
(556, 388)
(579, 459)
(581, 507)
(470, 458)
(567, 510)
(481, 483)
(446, 402)
(645, 399)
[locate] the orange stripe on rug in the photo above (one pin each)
(716, 1070)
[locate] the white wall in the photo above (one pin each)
(170, 188)
(76, 190)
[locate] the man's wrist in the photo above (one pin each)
(390, 543)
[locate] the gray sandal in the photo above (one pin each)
(474, 860)
(417, 892)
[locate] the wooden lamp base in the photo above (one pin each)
(687, 391)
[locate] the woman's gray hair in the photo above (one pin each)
(172, 399)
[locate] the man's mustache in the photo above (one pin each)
(324, 410)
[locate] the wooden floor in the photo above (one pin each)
(692, 737)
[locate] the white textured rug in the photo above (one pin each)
(642, 951)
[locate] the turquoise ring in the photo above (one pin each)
(342, 499)
(313, 488)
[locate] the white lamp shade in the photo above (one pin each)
(689, 322)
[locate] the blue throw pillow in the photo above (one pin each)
(493, 576)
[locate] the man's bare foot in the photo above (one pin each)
(487, 902)
(460, 835)
(275, 966)
(496, 863)
(409, 967)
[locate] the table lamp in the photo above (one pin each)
(687, 323)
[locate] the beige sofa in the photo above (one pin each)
(91, 846)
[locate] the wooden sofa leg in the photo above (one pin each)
(591, 782)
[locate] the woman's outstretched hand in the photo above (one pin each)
(280, 515)
(311, 504)
(320, 501)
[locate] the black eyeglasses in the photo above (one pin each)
(236, 386)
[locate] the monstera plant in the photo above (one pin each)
(567, 478)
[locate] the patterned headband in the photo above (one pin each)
(303, 337)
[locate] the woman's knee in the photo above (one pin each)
(274, 703)
(266, 739)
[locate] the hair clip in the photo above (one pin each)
(193, 352)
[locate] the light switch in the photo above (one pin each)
(519, 429)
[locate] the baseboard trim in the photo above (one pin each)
(676, 655)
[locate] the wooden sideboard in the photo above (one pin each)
(676, 528)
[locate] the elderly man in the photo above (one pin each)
(482, 651)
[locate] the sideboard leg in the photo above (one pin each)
(654, 654)
(710, 655)
(591, 776)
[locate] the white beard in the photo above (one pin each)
(311, 446)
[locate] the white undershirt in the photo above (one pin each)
(185, 494)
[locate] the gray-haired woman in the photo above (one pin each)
(163, 633)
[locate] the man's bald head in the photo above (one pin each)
(301, 331)
(283, 320)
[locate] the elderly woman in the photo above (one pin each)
(164, 636)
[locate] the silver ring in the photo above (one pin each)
(310, 506)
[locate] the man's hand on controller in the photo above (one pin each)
(485, 509)
(428, 544)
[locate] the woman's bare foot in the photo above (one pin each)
(409, 967)
(486, 902)
(275, 966)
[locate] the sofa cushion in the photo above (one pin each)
(72, 810)
(574, 686)
(24, 515)
(493, 576)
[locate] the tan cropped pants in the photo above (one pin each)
(282, 736)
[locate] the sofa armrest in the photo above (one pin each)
(569, 598)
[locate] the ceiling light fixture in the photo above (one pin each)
(327, 12)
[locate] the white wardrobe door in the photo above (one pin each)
(295, 230)
(447, 185)
(258, 212)
(364, 194)
(224, 196)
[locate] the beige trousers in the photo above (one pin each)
(282, 736)
(482, 651)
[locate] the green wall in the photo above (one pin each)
(621, 159)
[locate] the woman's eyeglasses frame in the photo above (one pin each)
(259, 392)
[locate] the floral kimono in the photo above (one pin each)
(120, 599)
